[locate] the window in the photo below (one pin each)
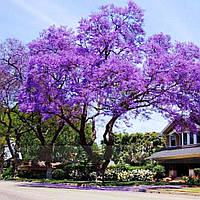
(191, 138)
(180, 139)
(198, 137)
(173, 140)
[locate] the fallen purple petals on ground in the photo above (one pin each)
(141, 188)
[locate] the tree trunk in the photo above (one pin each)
(15, 163)
(49, 170)
(16, 153)
(108, 137)
(48, 159)
(100, 165)
(2, 159)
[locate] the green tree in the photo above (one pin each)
(134, 148)
(51, 143)
(13, 68)
(12, 128)
(2, 151)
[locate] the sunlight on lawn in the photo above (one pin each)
(189, 190)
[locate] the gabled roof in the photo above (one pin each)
(168, 128)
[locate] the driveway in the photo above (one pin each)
(11, 190)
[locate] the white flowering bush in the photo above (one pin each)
(93, 176)
(129, 175)
(111, 174)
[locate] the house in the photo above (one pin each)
(182, 152)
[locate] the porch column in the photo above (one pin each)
(182, 139)
(188, 138)
(195, 138)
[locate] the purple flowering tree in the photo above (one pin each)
(13, 69)
(108, 68)
(14, 58)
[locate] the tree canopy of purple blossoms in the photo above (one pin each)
(13, 68)
(108, 67)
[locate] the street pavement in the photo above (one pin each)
(12, 190)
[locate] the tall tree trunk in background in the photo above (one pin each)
(48, 147)
(2, 148)
(16, 159)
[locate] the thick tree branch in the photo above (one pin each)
(108, 131)
(58, 130)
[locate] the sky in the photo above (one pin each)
(24, 19)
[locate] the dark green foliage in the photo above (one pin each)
(79, 171)
(197, 171)
(30, 146)
(125, 167)
(8, 173)
(25, 174)
(158, 170)
(28, 174)
(66, 144)
(58, 174)
(191, 180)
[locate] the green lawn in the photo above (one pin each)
(188, 190)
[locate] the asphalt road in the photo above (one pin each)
(10, 190)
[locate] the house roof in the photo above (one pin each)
(167, 128)
(176, 154)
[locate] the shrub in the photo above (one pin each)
(79, 171)
(128, 175)
(159, 172)
(8, 173)
(128, 167)
(197, 171)
(149, 166)
(31, 174)
(111, 174)
(24, 174)
(191, 180)
(125, 167)
(92, 176)
(83, 172)
(58, 174)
